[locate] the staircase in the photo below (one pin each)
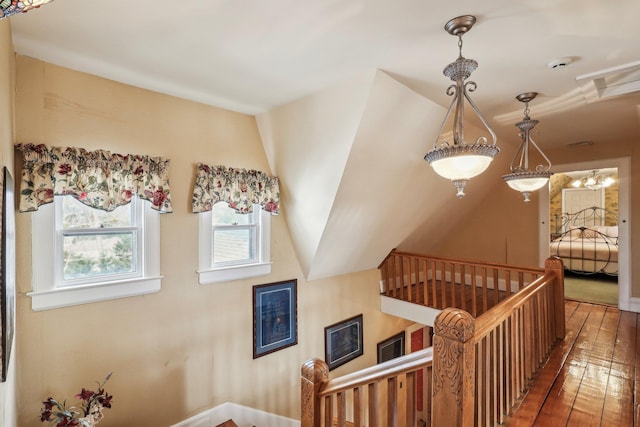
(495, 326)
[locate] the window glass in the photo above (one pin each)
(233, 246)
(96, 244)
(76, 214)
(234, 236)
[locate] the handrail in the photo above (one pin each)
(391, 368)
(477, 263)
(475, 373)
(499, 313)
(440, 282)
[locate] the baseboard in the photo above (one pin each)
(241, 415)
(632, 304)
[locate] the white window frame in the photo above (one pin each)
(208, 273)
(45, 245)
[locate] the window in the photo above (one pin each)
(233, 245)
(93, 255)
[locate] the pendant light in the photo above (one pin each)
(11, 7)
(457, 160)
(521, 178)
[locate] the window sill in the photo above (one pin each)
(236, 272)
(66, 297)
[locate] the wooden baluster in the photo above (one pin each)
(342, 408)
(434, 282)
(453, 369)
(328, 411)
(315, 373)
(410, 399)
(425, 281)
(485, 291)
(392, 402)
(507, 282)
(463, 286)
(384, 275)
(357, 407)
(496, 286)
(474, 302)
(373, 402)
(452, 282)
(503, 378)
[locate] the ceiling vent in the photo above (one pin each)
(610, 82)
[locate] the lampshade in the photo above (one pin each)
(459, 161)
(521, 178)
(11, 7)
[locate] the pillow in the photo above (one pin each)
(589, 234)
(575, 233)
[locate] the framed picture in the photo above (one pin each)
(391, 348)
(275, 315)
(7, 270)
(343, 341)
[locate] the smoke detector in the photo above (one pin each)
(559, 62)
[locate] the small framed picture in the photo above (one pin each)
(343, 341)
(274, 317)
(391, 348)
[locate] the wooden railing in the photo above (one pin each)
(445, 282)
(474, 374)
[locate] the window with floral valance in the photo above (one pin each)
(234, 243)
(240, 188)
(100, 179)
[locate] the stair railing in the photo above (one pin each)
(475, 373)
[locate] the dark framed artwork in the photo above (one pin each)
(391, 348)
(8, 270)
(343, 341)
(275, 313)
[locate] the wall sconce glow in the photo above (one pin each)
(11, 7)
(459, 161)
(521, 178)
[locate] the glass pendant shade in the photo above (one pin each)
(457, 160)
(11, 7)
(521, 178)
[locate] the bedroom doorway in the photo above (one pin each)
(585, 233)
(613, 285)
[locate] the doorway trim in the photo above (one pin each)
(623, 164)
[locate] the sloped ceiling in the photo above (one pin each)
(354, 182)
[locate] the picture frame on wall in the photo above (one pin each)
(343, 341)
(275, 315)
(7, 270)
(392, 347)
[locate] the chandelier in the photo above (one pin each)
(11, 7)
(594, 181)
(457, 160)
(521, 178)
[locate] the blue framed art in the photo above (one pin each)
(275, 315)
(343, 341)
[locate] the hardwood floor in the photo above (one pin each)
(592, 376)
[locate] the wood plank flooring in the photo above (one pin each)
(592, 377)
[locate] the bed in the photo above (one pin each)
(585, 245)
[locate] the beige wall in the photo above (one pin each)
(188, 347)
(8, 388)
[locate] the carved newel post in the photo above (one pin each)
(555, 265)
(453, 369)
(315, 373)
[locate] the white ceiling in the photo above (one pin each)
(251, 56)
(257, 57)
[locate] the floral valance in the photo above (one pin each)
(240, 188)
(100, 179)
